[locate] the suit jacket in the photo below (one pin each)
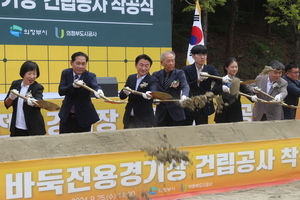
(273, 111)
(142, 108)
(292, 98)
(203, 87)
(80, 97)
(174, 109)
(33, 117)
(232, 112)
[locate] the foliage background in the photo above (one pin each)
(255, 43)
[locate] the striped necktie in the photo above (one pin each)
(166, 80)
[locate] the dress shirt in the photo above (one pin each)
(20, 118)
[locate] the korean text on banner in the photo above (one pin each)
(196, 34)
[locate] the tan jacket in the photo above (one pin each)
(272, 111)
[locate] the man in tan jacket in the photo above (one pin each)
(274, 85)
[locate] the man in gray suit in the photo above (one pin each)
(274, 85)
(173, 82)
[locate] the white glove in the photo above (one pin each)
(183, 97)
(147, 95)
(202, 78)
(278, 97)
(254, 98)
(225, 88)
(98, 93)
(79, 82)
(31, 101)
(226, 79)
(127, 92)
(12, 95)
(255, 89)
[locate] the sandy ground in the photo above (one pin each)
(288, 191)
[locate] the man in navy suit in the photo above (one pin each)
(293, 88)
(172, 81)
(139, 111)
(199, 85)
(77, 112)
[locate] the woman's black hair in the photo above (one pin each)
(29, 66)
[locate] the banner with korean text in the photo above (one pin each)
(111, 116)
(119, 175)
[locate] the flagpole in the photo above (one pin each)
(197, 36)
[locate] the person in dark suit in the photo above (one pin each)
(232, 112)
(172, 81)
(139, 111)
(77, 112)
(199, 85)
(293, 88)
(27, 119)
(274, 85)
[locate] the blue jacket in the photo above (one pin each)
(174, 109)
(80, 97)
(142, 108)
(292, 98)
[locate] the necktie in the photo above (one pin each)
(73, 106)
(166, 80)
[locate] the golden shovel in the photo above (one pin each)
(220, 78)
(154, 95)
(260, 100)
(280, 102)
(47, 105)
(108, 100)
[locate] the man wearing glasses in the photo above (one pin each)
(293, 88)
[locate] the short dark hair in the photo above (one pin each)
(290, 66)
(199, 49)
(143, 56)
(29, 66)
(275, 64)
(227, 63)
(79, 53)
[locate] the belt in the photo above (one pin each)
(72, 115)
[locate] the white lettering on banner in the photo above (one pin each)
(262, 161)
(104, 173)
(26, 4)
(152, 173)
(5, 123)
(21, 185)
(247, 112)
(206, 159)
(35, 32)
(246, 162)
(85, 176)
(53, 125)
(179, 174)
(132, 168)
(131, 7)
(200, 185)
(70, 33)
(290, 155)
(225, 163)
(49, 182)
(110, 116)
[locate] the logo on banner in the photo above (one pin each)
(16, 30)
(61, 34)
(153, 190)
